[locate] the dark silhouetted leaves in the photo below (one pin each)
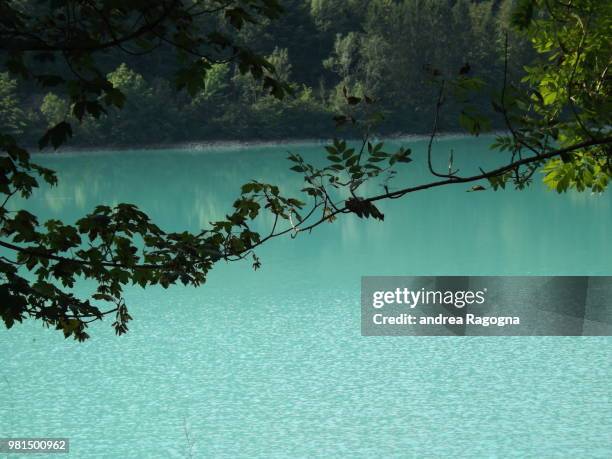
(363, 208)
(57, 135)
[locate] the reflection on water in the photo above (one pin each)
(439, 231)
(271, 363)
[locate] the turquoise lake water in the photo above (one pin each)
(272, 363)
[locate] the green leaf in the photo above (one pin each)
(57, 135)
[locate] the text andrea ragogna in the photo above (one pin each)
(486, 305)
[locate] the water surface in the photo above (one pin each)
(272, 364)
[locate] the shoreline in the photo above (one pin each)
(241, 144)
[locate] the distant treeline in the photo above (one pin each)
(376, 47)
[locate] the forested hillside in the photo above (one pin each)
(382, 48)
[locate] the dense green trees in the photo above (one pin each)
(11, 116)
(379, 47)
